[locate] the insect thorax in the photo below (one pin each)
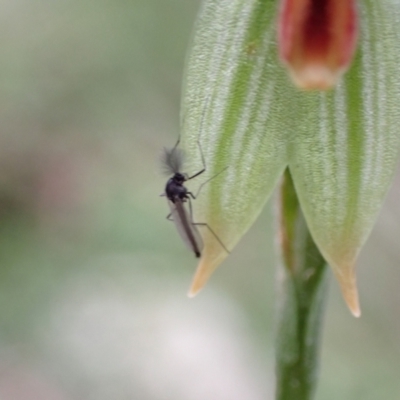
(174, 189)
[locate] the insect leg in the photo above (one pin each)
(169, 217)
(205, 224)
(208, 180)
(215, 235)
(176, 144)
(196, 174)
(198, 143)
(203, 160)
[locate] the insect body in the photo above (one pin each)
(179, 200)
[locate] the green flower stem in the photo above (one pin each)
(303, 288)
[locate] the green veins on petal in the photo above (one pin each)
(341, 146)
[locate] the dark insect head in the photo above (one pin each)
(179, 178)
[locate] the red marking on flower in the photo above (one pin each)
(317, 40)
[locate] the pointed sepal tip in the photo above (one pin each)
(347, 281)
(202, 275)
(211, 258)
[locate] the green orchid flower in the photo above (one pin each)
(341, 145)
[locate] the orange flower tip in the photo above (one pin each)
(353, 304)
(356, 312)
(198, 283)
(211, 258)
(347, 280)
(193, 292)
(317, 40)
(203, 273)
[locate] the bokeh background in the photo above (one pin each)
(93, 279)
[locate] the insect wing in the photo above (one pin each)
(172, 160)
(184, 224)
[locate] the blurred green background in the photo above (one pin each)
(93, 279)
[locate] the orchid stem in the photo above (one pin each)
(302, 291)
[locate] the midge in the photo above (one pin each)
(179, 197)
